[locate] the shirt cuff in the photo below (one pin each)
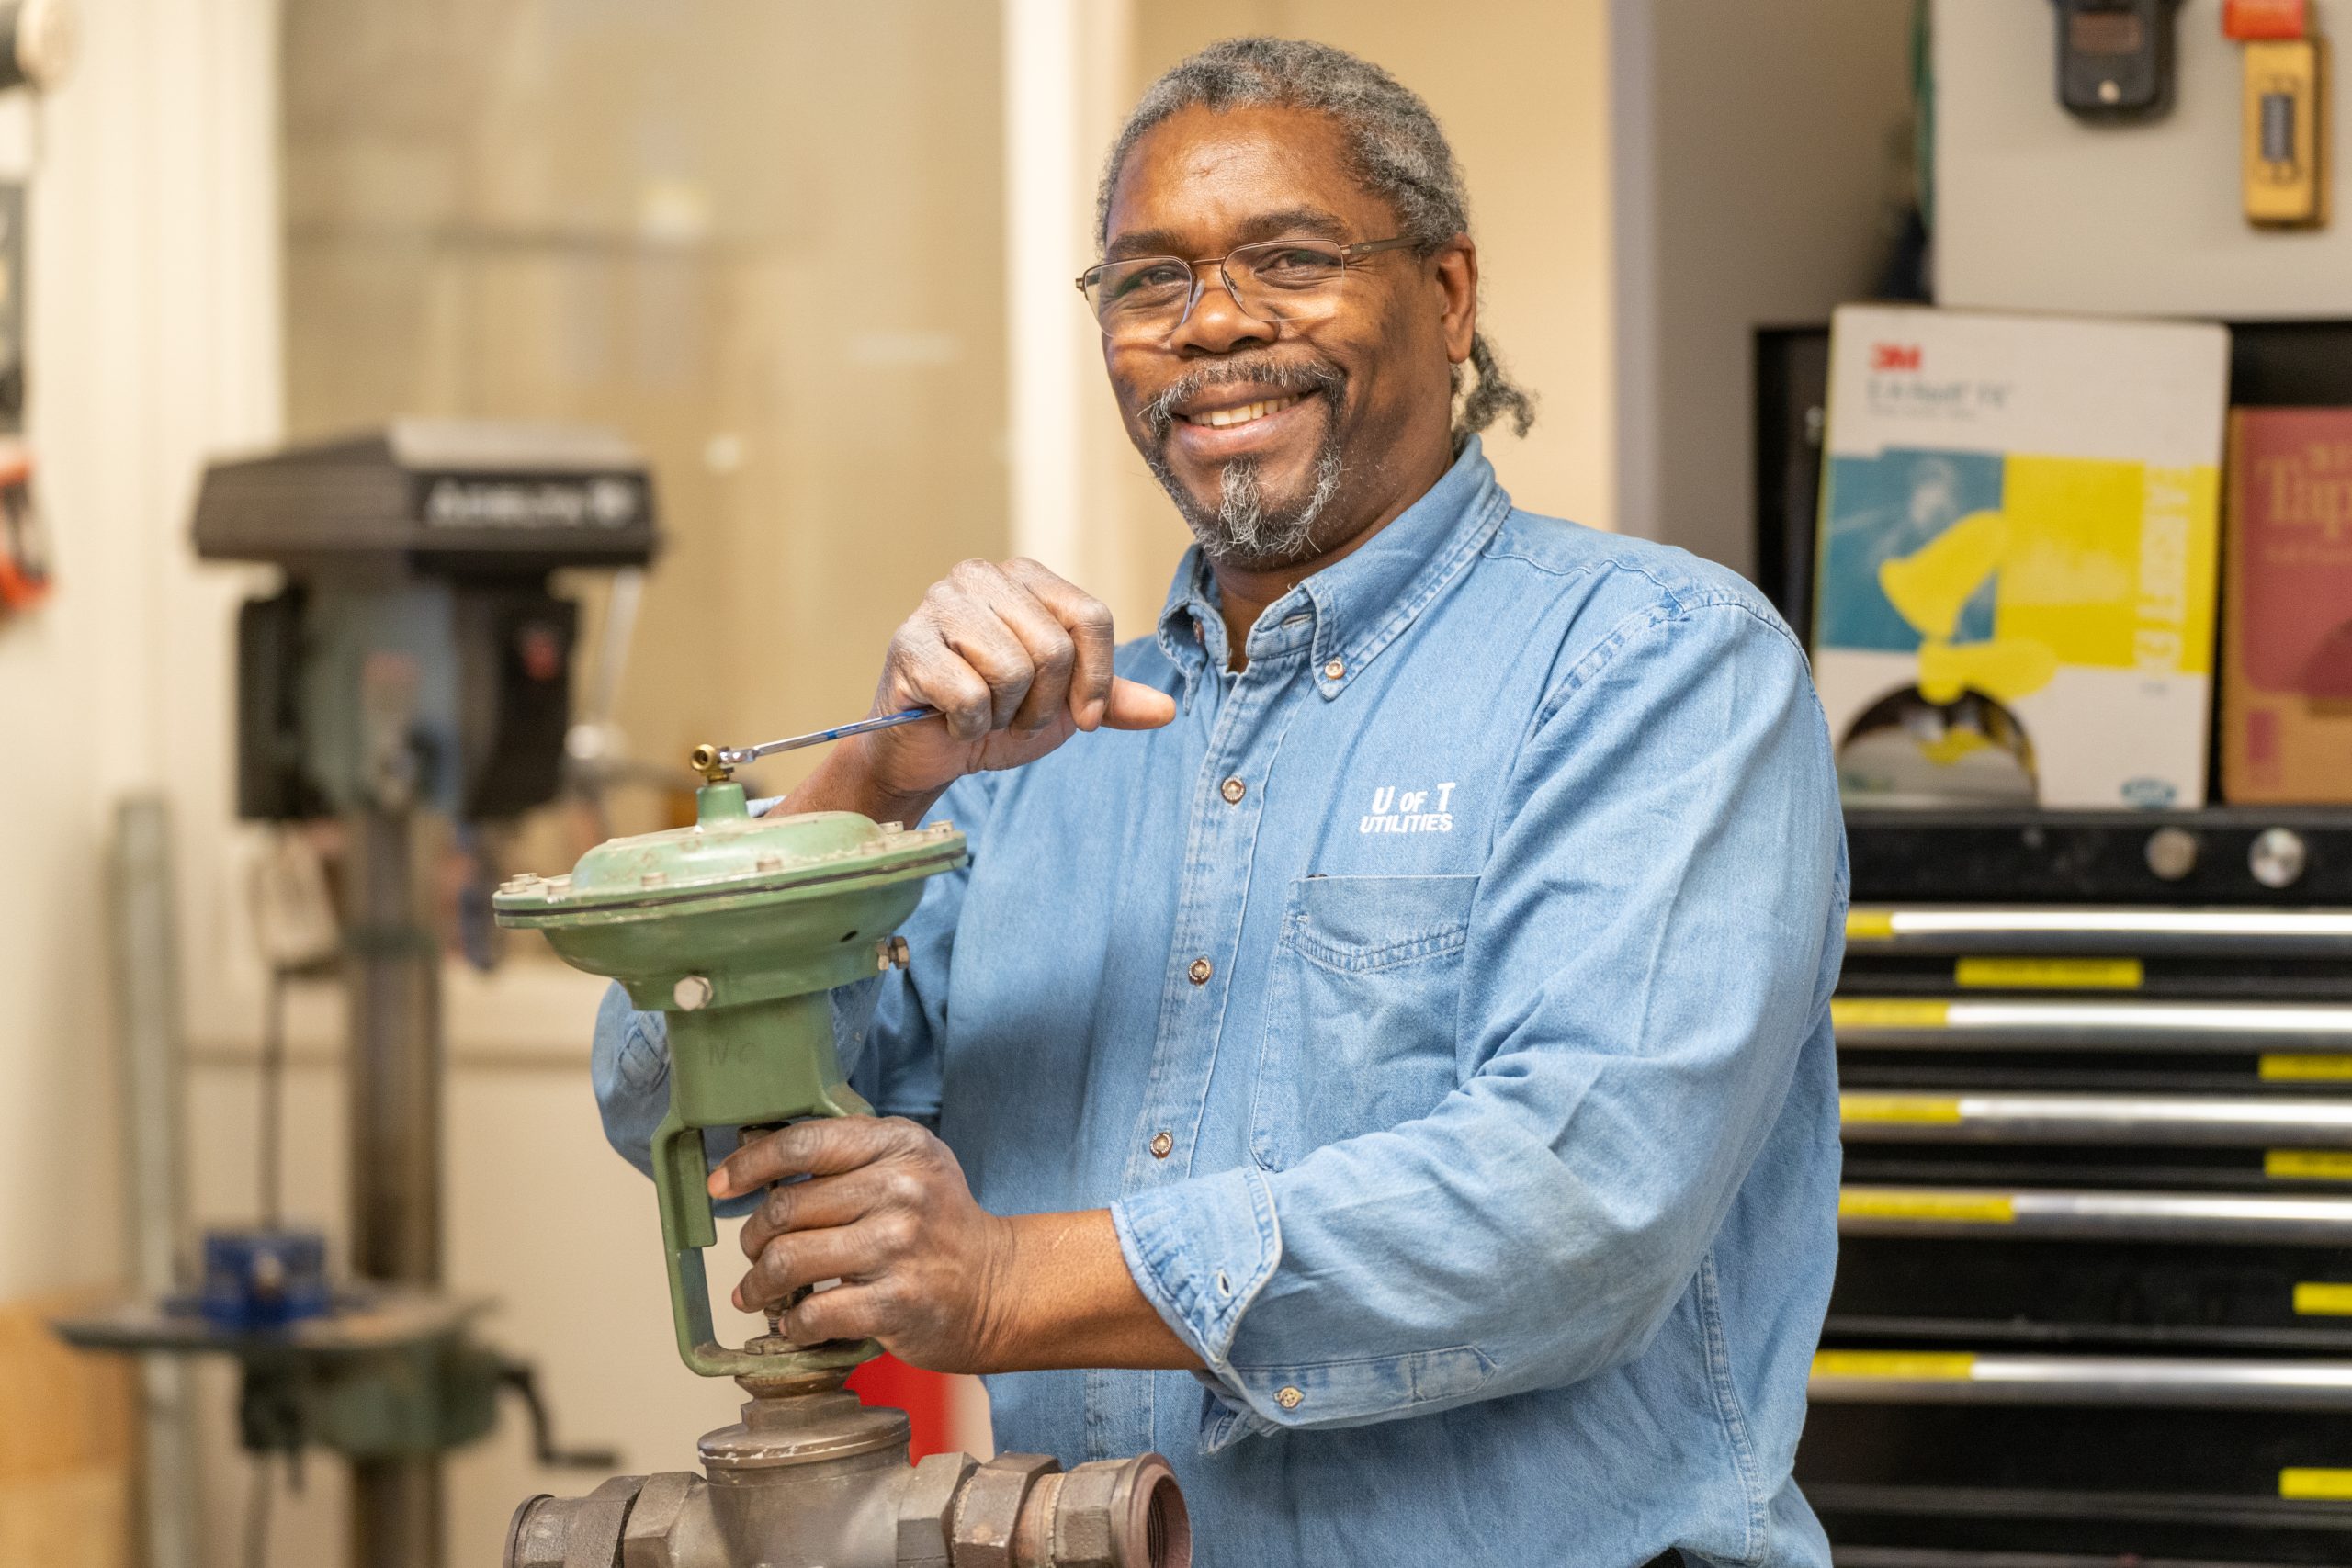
(1201, 1251)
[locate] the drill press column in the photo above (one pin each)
(394, 1087)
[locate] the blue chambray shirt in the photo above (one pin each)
(1439, 1005)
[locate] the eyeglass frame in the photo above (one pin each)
(1348, 255)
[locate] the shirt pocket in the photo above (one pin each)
(1361, 1009)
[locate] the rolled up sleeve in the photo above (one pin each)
(1653, 941)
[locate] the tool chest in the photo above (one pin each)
(2094, 1297)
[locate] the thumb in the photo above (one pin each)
(1133, 705)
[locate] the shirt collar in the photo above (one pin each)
(1347, 612)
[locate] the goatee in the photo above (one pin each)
(1247, 527)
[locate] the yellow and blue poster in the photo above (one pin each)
(2017, 562)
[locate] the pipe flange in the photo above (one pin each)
(988, 1513)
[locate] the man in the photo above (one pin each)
(1380, 1050)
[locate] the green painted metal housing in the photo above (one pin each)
(735, 929)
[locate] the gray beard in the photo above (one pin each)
(1247, 529)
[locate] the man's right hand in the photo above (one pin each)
(1016, 661)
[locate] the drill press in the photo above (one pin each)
(413, 662)
(736, 929)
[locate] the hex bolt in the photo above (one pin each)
(691, 993)
(889, 953)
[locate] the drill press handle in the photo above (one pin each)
(720, 1078)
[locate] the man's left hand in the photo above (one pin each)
(886, 1210)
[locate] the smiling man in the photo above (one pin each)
(1379, 1056)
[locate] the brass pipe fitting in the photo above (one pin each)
(814, 1478)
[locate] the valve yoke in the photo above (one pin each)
(735, 929)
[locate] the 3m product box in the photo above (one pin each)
(2286, 630)
(2014, 600)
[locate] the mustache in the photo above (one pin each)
(1158, 416)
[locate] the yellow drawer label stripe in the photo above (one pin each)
(1870, 925)
(1952, 1366)
(2317, 1299)
(2306, 1069)
(2308, 1165)
(2315, 1485)
(1897, 1108)
(1887, 1012)
(1897, 1203)
(2049, 973)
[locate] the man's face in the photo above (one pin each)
(1279, 441)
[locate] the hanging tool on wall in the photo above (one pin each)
(2286, 111)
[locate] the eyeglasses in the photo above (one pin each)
(1147, 299)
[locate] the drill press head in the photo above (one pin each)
(735, 929)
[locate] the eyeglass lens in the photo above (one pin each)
(1279, 280)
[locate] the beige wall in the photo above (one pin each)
(1758, 164)
(2038, 210)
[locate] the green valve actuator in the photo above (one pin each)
(735, 929)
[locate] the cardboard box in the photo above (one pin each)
(2015, 595)
(2287, 650)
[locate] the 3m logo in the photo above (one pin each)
(1894, 357)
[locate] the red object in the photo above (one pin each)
(924, 1396)
(2287, 643)
(2247, 20)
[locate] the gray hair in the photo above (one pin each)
(1395, 147)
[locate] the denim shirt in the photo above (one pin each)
(1439, 1005)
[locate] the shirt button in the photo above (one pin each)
(1289, 1399)
(1200, 971)
(1233, 790)
(1162, 1145)
(1334, 670)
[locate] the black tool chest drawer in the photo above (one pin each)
(2094, 1298)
